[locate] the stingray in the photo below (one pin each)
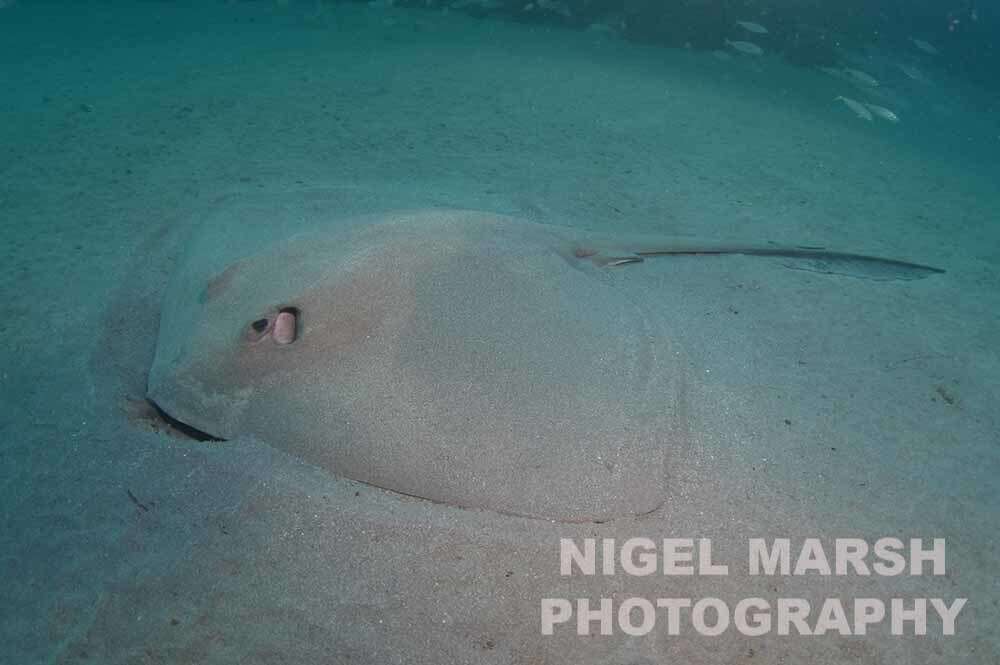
(461, 357)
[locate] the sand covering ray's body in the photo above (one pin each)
(461, 357)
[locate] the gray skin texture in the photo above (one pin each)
(457, 356)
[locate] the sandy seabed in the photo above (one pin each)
(819, 406)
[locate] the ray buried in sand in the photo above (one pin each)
(752, 617)
(376, 345)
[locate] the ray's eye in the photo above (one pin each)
(282, 328)
(258, 330)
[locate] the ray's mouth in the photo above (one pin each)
(151, 415)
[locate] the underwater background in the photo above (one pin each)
(815, 405)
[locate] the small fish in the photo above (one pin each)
(746, 47)
(722, 55)
(861, 77)
(913, 73)
(750, 26)
(882, 112)
(860, 109)
(601, 29)
(924, 46)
